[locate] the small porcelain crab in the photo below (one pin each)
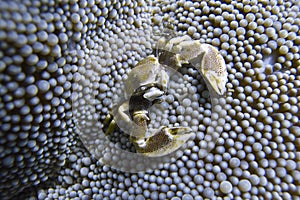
(148, 82)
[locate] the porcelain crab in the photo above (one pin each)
(148, 82)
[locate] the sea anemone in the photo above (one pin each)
(47, 47)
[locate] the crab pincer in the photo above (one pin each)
(165, 141)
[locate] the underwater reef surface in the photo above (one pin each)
(46, 47)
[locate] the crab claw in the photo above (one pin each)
(204, 57)
(214, 69)
(212, 66)
(165, 141)
(217, 82)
